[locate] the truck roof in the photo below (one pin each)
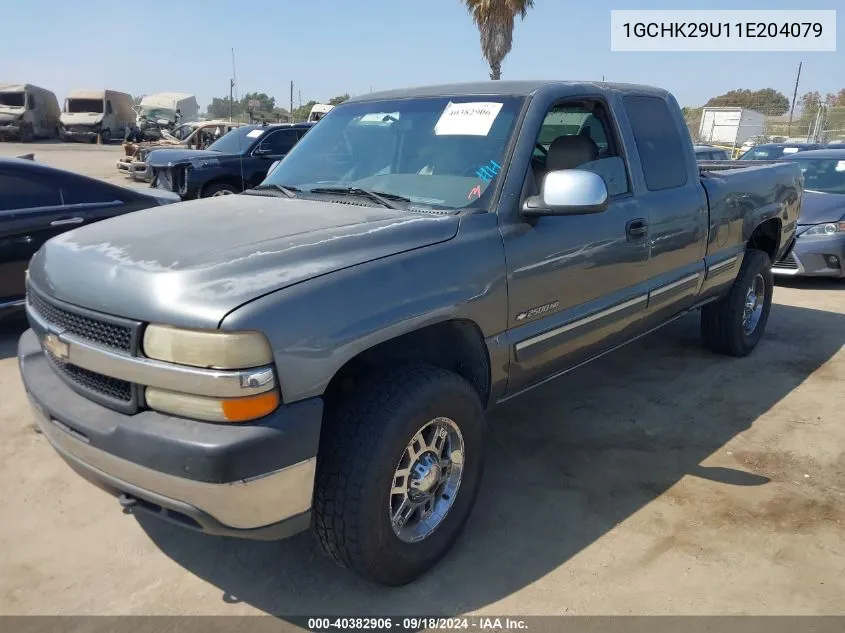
(8, 87)
(507, 88)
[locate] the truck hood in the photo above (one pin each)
(191, 263)
(172, 157)
(818, 208)
(80, 118)
(10, 114)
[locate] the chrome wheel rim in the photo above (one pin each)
(754, 300)
(222, 192)
(426, 481)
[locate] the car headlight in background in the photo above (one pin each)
(207, 348)
(828, 228)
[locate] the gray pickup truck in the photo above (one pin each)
(320, 350)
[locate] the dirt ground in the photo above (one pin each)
(659, 480)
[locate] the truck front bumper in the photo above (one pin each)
(10, 131)
(251, 481)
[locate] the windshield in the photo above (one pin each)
(158, 113)
(433, 151)
(12, 99)
(823, 174)
(238, 140)
(84, 105)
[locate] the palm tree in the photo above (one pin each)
(495, 21)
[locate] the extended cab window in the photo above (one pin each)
(26, 192)
(580, 136)
(658, 140)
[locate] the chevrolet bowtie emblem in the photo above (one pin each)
(56, 347)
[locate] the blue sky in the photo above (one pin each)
(328, 47)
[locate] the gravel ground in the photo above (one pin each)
(659, 480)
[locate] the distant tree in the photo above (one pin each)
(136, 99)
(495, 21)
(301, 113)
(338, 100)
(810, 101)
(267, 103)
(767, 100)
(692, 116)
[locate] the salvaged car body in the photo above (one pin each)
(193, 135)
(28, 112)
(101, 114)
(239, 160)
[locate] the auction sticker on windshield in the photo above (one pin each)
(840, 166)
(254, 133)
(467, 119)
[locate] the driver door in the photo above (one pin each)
(577, 284)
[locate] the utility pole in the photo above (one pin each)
(231, 101)
(291, 101)
(794, 97)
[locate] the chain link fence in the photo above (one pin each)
(822, 124)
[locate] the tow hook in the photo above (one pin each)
(127, 502)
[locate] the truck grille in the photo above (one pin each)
(94, 330)
(104, 331)
(787, 263)
(91, 381)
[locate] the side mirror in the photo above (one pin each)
(568, 192)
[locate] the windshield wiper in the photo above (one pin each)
(290, 192)
(385, 199)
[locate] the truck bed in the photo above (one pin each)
(750, 192)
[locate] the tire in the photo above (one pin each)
(364, 443)
(105, 136)
(218, 189)
(724, 328)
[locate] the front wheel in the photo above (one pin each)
(218, 189)
(399, 469)
(735, 324)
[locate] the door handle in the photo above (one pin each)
(66, 221)
(636, 229)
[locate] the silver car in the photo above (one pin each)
(820, 240)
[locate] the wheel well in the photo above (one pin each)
(223, 180)
(456, 346)
(766, 237)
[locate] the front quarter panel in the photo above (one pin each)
(317, 326)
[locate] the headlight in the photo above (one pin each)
(829, 228)
(207, 348)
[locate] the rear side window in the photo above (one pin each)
(24, 192)
(658, 142)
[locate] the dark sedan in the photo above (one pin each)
(776, 151)
(235, 162)
(820, 245)
(38, 202)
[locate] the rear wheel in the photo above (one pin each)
(218, 189)
(735, 324)
(399, 468)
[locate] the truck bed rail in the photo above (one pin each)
(705, 166)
